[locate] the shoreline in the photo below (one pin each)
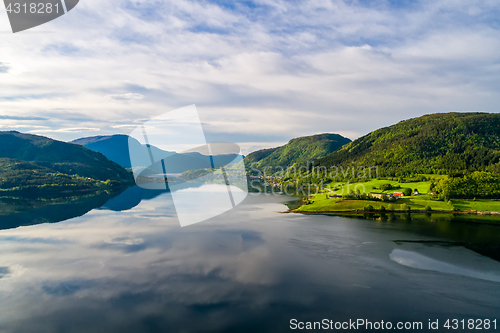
(28, 192)
(462, 212)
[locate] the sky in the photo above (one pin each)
(259, 72)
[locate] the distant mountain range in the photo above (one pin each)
(297, 151)
(435, 143)
(116, 148)
(32, 160)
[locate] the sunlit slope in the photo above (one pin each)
(436, 143)
(297, 151)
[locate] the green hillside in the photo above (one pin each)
(431, 144)
(258, 155)
(297, 151)
(59, 157)
(25, 177)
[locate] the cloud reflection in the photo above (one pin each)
(123, 261)
(248, 270)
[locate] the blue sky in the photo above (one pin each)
(260, 72)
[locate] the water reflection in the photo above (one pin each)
(248, 270)
(416, 260)
(28, 210)
(130, 198)
(144, 270)
(477, 233)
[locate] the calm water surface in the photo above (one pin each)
(130, 267)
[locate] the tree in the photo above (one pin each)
(385, 187)
(432, 186)
(406, 191)
(405, 207)
(391, 207)
(428, 208)
(368, 208)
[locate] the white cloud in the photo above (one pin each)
(127, 97)
(124, 126)
(289, 69)
(66, 130)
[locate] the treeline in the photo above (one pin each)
(20, 177)
(469, 185)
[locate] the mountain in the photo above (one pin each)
(116, 148)
(38, 154)
(258, 155)
(297, 151)
(435, 143)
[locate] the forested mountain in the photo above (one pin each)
(259, 155)
(24, 177)
(435, 143)
(40, 155)
(297, 151)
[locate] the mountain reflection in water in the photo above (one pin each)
(252, 269)
(27, 210)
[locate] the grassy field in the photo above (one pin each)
(489, 205)
(321, 203)
(374, 186)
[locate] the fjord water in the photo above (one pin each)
(130, 267)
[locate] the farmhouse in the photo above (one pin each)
(377, 195)
(398, 194)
